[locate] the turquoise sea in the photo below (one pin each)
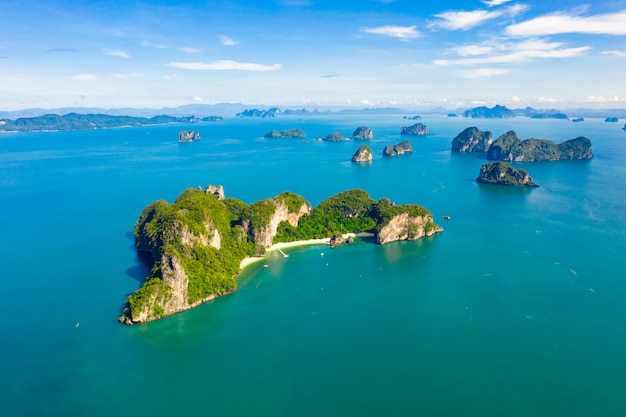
(517, 309)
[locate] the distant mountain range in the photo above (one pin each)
(80, 118)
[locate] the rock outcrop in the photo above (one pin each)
(472, 140)
(362, 133)
(508, 147)
(501, 173)
(398, 149)
(289, 133)
(334, 137)
(418, 129)
(216, 191)
(263, 232)
(363, 154)
(188, 136)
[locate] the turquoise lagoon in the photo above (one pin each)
(517, 309)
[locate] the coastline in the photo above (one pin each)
(282, 245)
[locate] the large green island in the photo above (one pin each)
(198, 242)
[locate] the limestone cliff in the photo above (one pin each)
(508, 147)
(501, 173)
(398, 149)
(263, 232)
(362, 133)
(418, 129)
(472, 140)
(363, 154)
(404, 226)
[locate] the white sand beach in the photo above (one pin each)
(282, 245)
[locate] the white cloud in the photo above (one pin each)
(365, 102)
(197, 99)
(620, 54)
(602, 24)
(491, 3)
(85, 77)
(190, 50)
(227, 41)
(224, 65)
(472, 50)
(400, 32)
(548, 100)
(462, 20)
(483, 73)
(117, 53)
(596, 99)
(513, 53)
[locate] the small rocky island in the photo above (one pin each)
(334, 137)
(508, 147)
(362, 133)
(289, 133)
(197, 242)
(418, 129)
(398, 149)
(363, 154)
(501, 173)
(472, 140)
(188, 136)
(611, 120)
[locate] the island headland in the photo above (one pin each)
(199, 243)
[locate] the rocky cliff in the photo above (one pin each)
(363, 154)
(263, 230)
(398, 149)
(418, 129)
(472, 140)
(362, 133)
(405, 222)
(508, 147)
(501, 173)
(188, 136)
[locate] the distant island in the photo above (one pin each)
(272, 112)
(289, 133)
(418, 129)
(362, 133)
(199, 242)
(497, 112)
(501, 173)
(398, 149)
(508, 147)
(611, 120)
(334, 137)
(550, 116)
(472, 139)
(188, 136)
(75, 121)
(578, 120)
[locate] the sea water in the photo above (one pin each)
(517, 309)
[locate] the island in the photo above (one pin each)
(75, 121)
(416, 117)
(418, 129)
(289, 133)
(550, 116)
(363, 154)
(472, 140)
(271, 112)
(508, 147)
(611, 120)
(578, 120)
(188, 136)
(501, 173)
(362, 133)
(497, 112)
(212, 119)
(398, 149)
(334, 137)
(199, 242)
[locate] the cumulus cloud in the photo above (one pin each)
(514, 53)
(400, 32)
(227, 41)
(472, 50)
(483, 73)
(117, 53)
(84, 77)
(491, 3)
(552, 24)
(619, 54)
(224, 65)
(462, 20)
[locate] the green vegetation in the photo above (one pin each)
(205, 239)
(334, 137)
(508, 147)
(502, 173)
(289, 133)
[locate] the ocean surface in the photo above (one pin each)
(517, 309)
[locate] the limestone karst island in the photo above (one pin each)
(198, 242)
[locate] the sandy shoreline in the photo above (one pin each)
(282, 245)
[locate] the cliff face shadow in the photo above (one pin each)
(142, 268)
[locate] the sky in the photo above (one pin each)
(308, 53)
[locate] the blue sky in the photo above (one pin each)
(158, 53)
